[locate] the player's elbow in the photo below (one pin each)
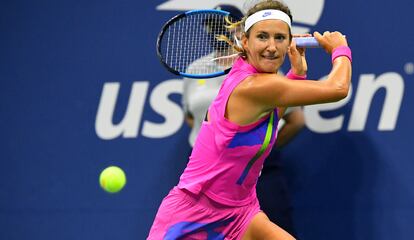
(340, 90)
(343, 91)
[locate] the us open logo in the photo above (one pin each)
(306, 14)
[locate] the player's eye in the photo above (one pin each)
(262, 36)
(280, 37)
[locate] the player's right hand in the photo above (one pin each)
(330, 40)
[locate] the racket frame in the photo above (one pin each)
(172, 21)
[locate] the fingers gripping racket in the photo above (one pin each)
(187, 44)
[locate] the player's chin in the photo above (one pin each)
(269, 66)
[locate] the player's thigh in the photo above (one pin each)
(262, 228)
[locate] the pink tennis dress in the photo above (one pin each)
(216, 195)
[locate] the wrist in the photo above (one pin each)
(342, 51)
(292, 75)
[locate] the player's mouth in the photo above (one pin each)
(270, 57)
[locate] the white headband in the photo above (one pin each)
(264, 15)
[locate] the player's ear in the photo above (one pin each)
(244, 41)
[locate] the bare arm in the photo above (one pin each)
(270, 90)
(294, 123)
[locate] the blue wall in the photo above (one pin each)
(82, 89)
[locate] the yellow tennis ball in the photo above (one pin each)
(112, 179)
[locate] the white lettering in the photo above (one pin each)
(368, 86)
(128, 127)
(172, 112)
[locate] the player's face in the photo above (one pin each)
(267, 45)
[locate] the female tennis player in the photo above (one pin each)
(215, 197)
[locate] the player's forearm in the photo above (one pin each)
(294, 123)
(287, 134)
(340, 77)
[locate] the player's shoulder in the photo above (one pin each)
(253, 84)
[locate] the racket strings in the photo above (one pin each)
(191, 46)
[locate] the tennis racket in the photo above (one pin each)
(187, 44)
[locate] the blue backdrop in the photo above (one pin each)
(82, 89)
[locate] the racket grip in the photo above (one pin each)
(307, 42)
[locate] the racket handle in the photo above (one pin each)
(307, 42)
